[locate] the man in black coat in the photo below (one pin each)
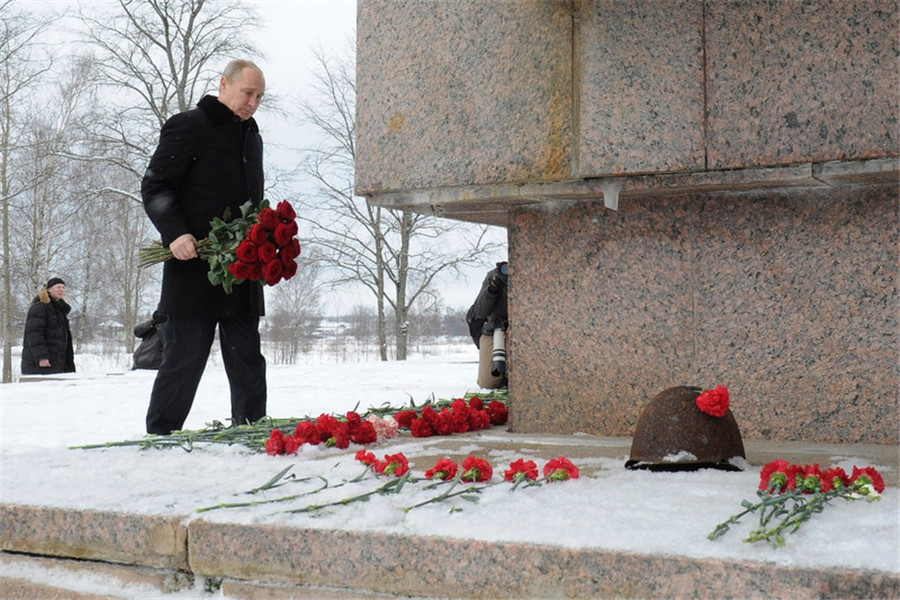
(209, 159)
(47, 344)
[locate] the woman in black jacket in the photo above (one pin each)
(47, 345)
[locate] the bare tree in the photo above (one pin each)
(293, 312)
(23, 64)
(398, 256)
(156, 58)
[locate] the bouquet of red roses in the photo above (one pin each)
(260, 245)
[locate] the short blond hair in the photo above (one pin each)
(236, 67)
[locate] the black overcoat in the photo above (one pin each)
(47, 335)
(207, 160)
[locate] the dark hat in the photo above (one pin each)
(54, 281)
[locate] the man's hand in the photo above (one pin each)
(183, 247)
(44, 362)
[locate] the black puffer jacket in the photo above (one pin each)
(489, 310)
(47, 335)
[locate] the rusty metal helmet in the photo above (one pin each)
(673, 434)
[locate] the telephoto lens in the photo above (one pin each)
(498, 358)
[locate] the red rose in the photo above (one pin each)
(268, 218)
(290, 269)
(258, 235)
(286, 211)
(444, 469)
(256, 271)
(560, 469)
(240, 270)
(476, 469)
(283, 234)
(273, 271)
(526, 469)
(247, 252)
(714, 402)
(267, 252)
(292, 248)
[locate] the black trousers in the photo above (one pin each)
(187, 345)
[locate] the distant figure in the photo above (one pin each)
(488, 321)
(149, 352)
(208, 159)
(47, 345)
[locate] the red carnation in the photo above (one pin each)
(292, 444)
(476, 403)
(308, 433)
(498, 412)
(405, 417)
(421, 428)
(394, 464)
(476, 469)
(247, 252)
(834, 478)
(275, 443)
(273, 271)
(867, 475)
(560, 469)
(268, 218)
(444, 469)
(776, 476)
(286, 211)
(527, 469)
(714, 402)
(367, 458)
(363, 434)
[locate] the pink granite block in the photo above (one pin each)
(792, 81)
(641, 86)
(457, 568)
(789, 299)
(452, 92)
(151, 541)
(796, 311)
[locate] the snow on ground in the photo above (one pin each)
(616, 509)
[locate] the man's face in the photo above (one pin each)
(244, 93)
(58, 291)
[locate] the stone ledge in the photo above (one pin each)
(429, 566)
(490, 204)
(152, 541)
